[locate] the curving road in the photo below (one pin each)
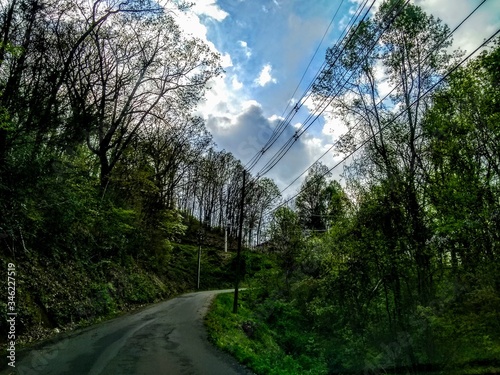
(166, 338)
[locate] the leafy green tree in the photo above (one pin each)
(409, 47)
(464, 134)
(313, 199)
(286, 240)
(338, 205)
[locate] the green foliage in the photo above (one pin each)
(5, 121)
(171, 225)
(262, 352)
(142, 288)
(406, 278)
(96, 164)
(315, 199)
(286, 241)
(102, 298)
(115, 226)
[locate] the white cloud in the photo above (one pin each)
(246, 49)
(265, 76)
(383, 85)
(246, 132)
(226, 61)
(235, 83)
(190, 22)
(248, 104)
(333, 128)
(480, 26)
(209, 8)
(308, 102)
(238, 124)
(275, 118)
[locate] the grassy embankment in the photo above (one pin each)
(254, 343)
(267, 339)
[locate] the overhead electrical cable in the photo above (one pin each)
(393, 119)
(387, 95)
(282, 124)
(307, 91)
(327, 99)
(285, 121)
(285, 148)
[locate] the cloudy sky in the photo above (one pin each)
(266, 46)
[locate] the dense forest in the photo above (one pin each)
(109, 182)
(396, 270)
(104, 167)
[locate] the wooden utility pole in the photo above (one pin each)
(199, 266)
(203, 227)
(200, 239)
(225, 238)
(238, 255)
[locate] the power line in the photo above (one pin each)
(292, 113)
(396, 117)
(343, 43)
(284, 149)
(326, 101)
(384, 98)
(282, 124)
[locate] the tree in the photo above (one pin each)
(409, 47)
(41, 42)
(286, 240)
(172, 145)
(131, 71)
(338, 204)
(263, 193)
(313, 199)
(463, 132)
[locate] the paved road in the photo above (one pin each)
(166, 338)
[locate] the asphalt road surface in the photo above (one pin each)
(166, 338)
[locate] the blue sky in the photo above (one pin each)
(272, 41)
(266, 46)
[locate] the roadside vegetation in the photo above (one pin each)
(256, 343)
(108, 181)
(53, 296)
(396, 270)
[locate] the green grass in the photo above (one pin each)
(258, 351)
(280, 346)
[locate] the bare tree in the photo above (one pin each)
(132, 71)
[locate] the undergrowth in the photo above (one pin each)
(252, 342)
